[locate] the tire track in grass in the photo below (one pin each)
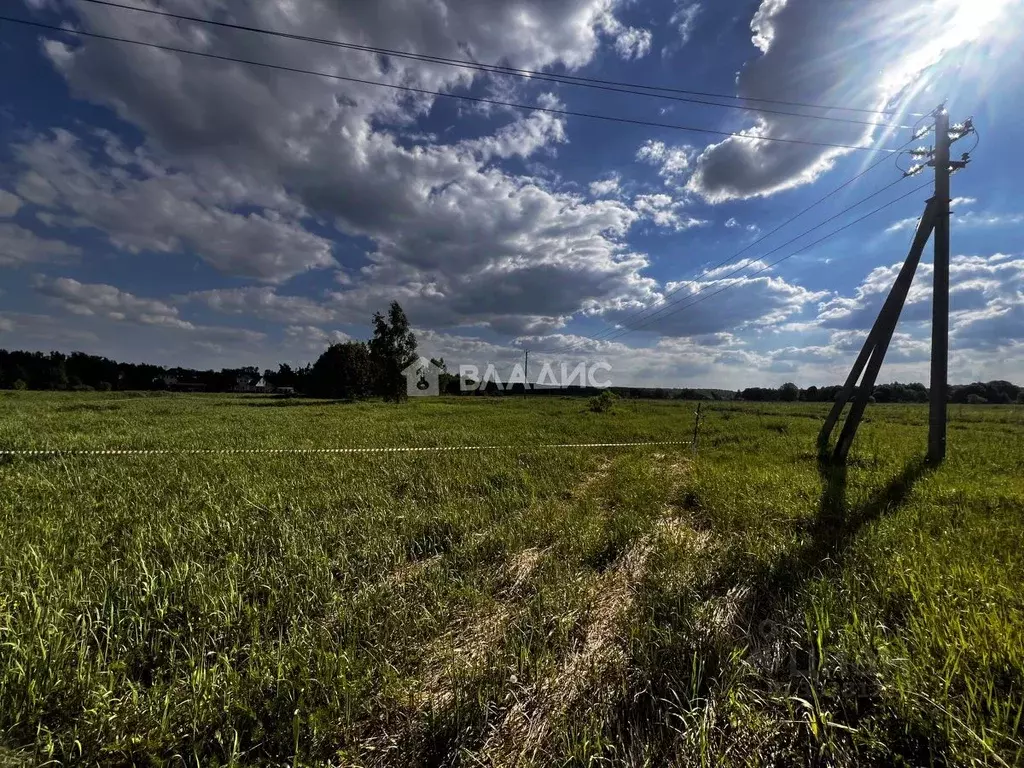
(599, 659)
(462, 654)
(532, 719)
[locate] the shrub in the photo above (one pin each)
(603, 403)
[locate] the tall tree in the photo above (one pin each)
(392, 350)
(343, 371)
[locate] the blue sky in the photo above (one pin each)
(161, 207)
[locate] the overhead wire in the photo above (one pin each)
(746, 248)
(623, 86)
(622, 331)
(797, 252)
(443, 94)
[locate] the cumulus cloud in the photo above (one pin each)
(817, 53)
(986, 301)
(264, 303)
(716, 304)
(454, 234)
(666, 212)
(142, 205)
(19, 246)
(107, 302)
(674, 164)
(311, 339)
(605, 187)
(633, 43)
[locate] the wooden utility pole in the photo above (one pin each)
(940, 296)
(869, 362)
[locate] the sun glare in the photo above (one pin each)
(930, 31)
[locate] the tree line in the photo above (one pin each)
(352, 369)
(992, 392)
(374, 368)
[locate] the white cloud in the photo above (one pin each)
(264, 303)
(109, 303)
(19, 246)
(9, 204)
(715, 304)
(673, 163)
(97, 299)
(731, 224)
(977, 219)
(973, 219)
(986, 297)
(905, 41)
(903, 225)
(454, 235)
(633, 43)
(313, 340)
(605, 187)
(142, 205)
(683, 19)
(629, 42)
(666, 212)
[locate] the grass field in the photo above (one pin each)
(522, 607)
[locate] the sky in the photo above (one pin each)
(161, 207)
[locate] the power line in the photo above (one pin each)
(623, 327)
(496, 69)
(800, 250)
(812, 206)
(461, 97)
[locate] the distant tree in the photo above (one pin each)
(285, 376)
(445, 379)
(57, 374)
(392, 350)
(342, 371)
(973, 399)
(789, 392)
(19, 384)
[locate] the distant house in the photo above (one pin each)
(285, 390)
(246, 384)
(263, 387)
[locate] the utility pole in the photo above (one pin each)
(526, 386)
(934, 219)
(940, 296)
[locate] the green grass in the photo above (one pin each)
(522, 607)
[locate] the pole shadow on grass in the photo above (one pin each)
(833, 530)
